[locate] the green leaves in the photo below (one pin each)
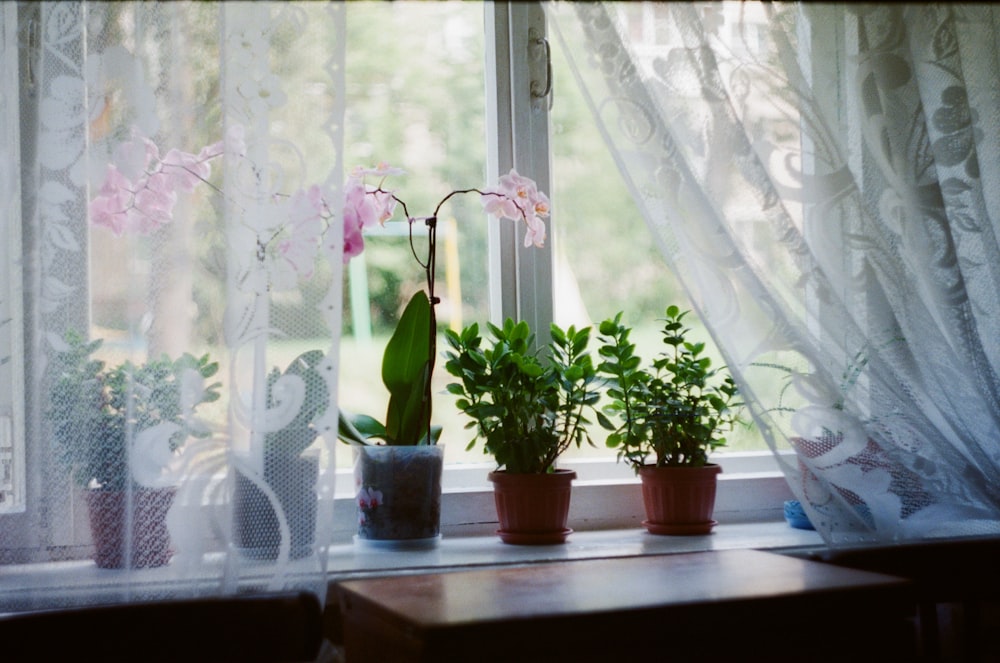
(91, 406)
(526, 409)
(296, 436)
(674, 411)
(363, 429)
(406, 367)
(406, 371)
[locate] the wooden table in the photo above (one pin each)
(735, 604)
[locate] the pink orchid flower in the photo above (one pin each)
(495, 202)
(369, 498)
(354, 242)
(185, 170)
(140, 188)
(305, 227)
(517, 198)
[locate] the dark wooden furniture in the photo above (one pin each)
(721, 605)
(270, 627)
(956, 583)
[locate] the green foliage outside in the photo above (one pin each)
(415, 78)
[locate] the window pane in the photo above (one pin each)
(416, 99)
(606, 260)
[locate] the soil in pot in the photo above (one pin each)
(679, 500)
(256, 529)
(141, 512)
(533, 509)
(399, 495)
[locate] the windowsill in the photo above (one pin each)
(597, 505)
(605, 515)
(45, 585)
(359, 560)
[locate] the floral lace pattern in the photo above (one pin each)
(819, 177)
(174, 199)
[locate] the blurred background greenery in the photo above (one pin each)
(416, 99)
(415, 80)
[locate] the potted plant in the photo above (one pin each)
(527, 410)
(665, 420)
(113, 427)
(399, 463)
(278, 507)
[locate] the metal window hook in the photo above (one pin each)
(541, 90)
(31, 46)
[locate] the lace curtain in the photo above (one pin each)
(823, 179)
(179, 201)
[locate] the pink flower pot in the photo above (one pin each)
(679, 500)
(533, 508)
(109, 526)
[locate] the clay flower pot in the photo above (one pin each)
(533, 508)
(109, 526)
(679, 500)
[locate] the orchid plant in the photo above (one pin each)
(408, 362)
(138, 196)
(141, 189)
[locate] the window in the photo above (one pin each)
(417, 98)
(485, 121)
(576, 279)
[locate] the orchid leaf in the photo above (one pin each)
(406, 371)
(358, 428)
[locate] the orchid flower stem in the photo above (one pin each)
(430, 272)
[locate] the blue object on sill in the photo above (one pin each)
(796, 515)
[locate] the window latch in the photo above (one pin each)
(540, 89)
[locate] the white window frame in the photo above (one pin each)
(12, 452)
(12, 405)
(606, 494)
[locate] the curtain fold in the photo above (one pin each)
(180, 188)
(821, 177)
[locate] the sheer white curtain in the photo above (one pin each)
(824, 179)
(179, 193)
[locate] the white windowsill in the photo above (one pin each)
(606, 496)
(605, 514)
(467, 552)
(40, 586)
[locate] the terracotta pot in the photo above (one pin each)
(679, 500)
(533, 508)
(256, 532)
(109, 525)
(399, 495)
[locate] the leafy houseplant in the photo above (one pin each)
(527, 410)
(409, 358)
(665, 419)
(399, 463)
(289, 476)
(113, 426)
